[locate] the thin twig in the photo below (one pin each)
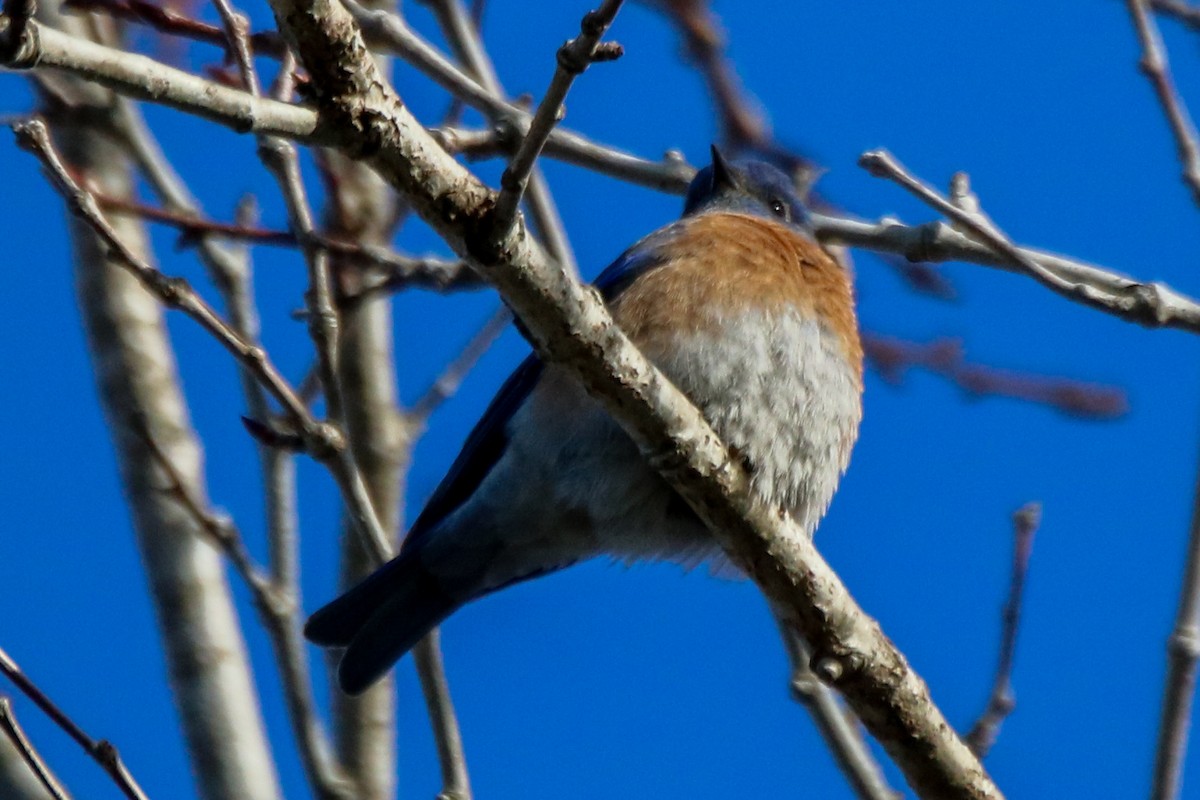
(172, 22)
(1189, 15)
(277, 609)
(834, 722)
(1152, 305)
(745, 129)
(29, 754)
(892, 357)
(1179, 687)
(456, 783)
(225, 267)
(1001, 701)
(573, 58)
(280, 158)
(427, 272)
(102, 752)
(447, 383)
(221, 530)
(237, 39)
(143, 78)
(462, 32)
(390, 32)
(176, 293)
(1154, 66)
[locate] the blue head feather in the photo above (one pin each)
(745, 187)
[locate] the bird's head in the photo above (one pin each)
(744, 187)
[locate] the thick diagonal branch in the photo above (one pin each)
(569, 324)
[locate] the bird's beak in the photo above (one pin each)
(723, 176)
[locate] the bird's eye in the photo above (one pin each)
(779, 208)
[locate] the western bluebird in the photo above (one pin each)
(740, 308)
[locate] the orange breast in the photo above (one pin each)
(723, 264)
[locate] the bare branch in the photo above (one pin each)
(280, 158)
(146, 79)
(1179, 687)
(322, 441)
(101, 751)
(570, 325)
(138, 387)
(175, 292)
(1156, 69)
(12, 729)
(237, 40)
(170, 21)
(221, 530)
(446, 384)
(425, 272)
(573, 58)
(1001, 701)
(892, 357)
(389, 31)
(428, 655)
(1177, 9)
(276, 606)
(1153, 305)
(143, 78)
(835, 723)
(462, 31)
(745, 128)
(360, 206)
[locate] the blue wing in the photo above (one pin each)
(488, 440)
(639, 259)
(483, 448)
(385, 614)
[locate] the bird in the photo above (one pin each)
(738, 305)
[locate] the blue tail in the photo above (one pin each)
(380, 620)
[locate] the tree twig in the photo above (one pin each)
(102, 752)
(836, 724)
(1154, 66)
(1153, 305)
(573, 58)
(175, 292)
(1189, 15)
(277, 607)
(172, 22)
(447, 383)
(29, 754)
(746, 129)
(456, 783)
(570, 325)
(402, 271)
(322, 441)
(462, 31)
(1179, 687)
(391, 32)
(146, 79)
(892, 357)
(1001, 701)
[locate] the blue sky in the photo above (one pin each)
(604, 681)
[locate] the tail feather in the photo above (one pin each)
(337, 623)
(390, 633)
(380, 620)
